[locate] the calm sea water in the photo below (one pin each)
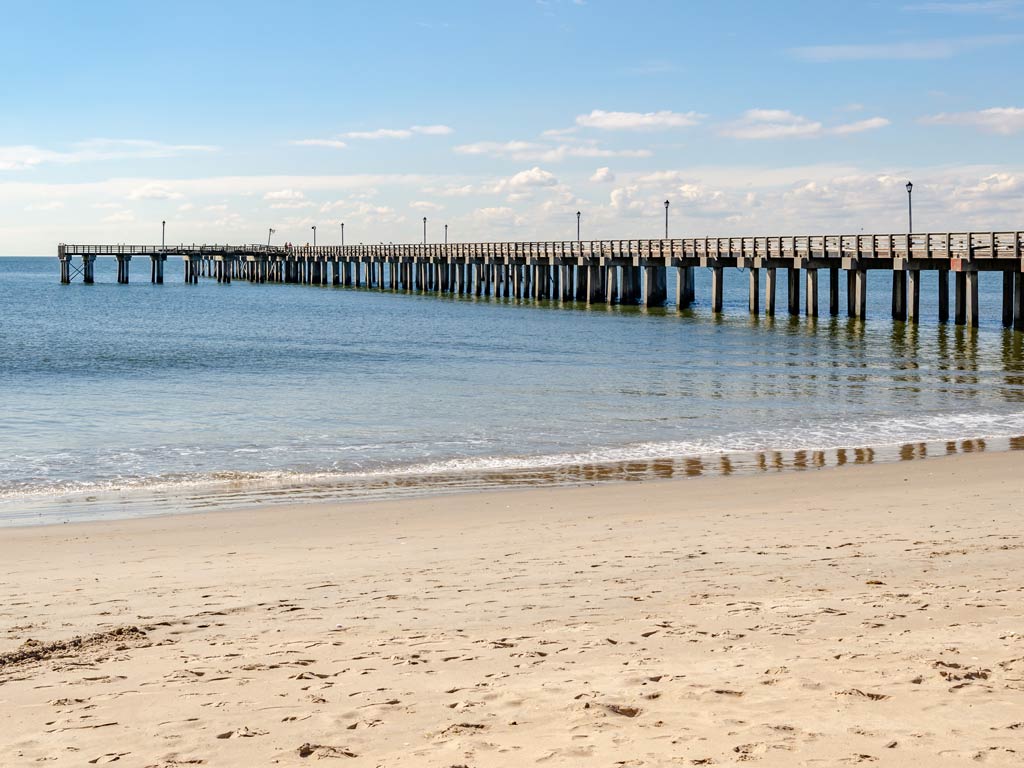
(123, 400)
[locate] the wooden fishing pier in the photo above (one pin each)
(620, 271)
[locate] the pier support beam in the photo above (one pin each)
(833, 291)
(716, 289)
(857, 293)
(684, 287)
(793, 281)
(943, 280)
(899, 295)
(157, 268)
(754, 295)
(88, 269)
(959, 297)
(65, 269)
(811, 292)
(1018, 302)
(123, 263)
(913, 295)
(595, 284)
(770, 279)
(655, 288)
(1007, 299)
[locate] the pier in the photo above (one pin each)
(620, 271)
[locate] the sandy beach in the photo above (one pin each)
(855, 615)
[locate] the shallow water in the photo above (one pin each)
(123, 400)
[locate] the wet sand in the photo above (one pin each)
(867, 614)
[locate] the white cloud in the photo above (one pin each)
(433, 130)
(902, 50)
(425, 205)
(545, 153)
(379, 133)
(332, 143)
(399, 133)
(1001, 120)
(783, 124)
(633, 121)
(602, 175)
(860, 126)
(771, 124)
(534, 177)
(22, 157)
(52, 205)
(496, 148)
(154, 191)
(287, 199)
(285, 194)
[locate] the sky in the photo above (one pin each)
(502, 119)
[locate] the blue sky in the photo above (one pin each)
(503, 119)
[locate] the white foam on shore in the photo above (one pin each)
(878, 434)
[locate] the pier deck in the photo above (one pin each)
(619, 271)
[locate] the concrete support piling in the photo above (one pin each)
(770, 282)
(655, 286)
(793, 292)
(716, 289)
(1008, 299)
(811, 292)
(913, 295)
(754, 296)
(899, 295)
(833, 291)
(943, 280)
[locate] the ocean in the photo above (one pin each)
(118, 401)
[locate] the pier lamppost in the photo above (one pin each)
(666, 219)
(578, 214)
(446, 234)
(424, 230)
(910, 207)
(314, 235)
(163, 234)
(343, 234)
(270, 234)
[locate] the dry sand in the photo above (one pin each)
(865, 614)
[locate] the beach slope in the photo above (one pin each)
(862, 614)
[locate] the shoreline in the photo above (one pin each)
(862, 614)
(251, 491)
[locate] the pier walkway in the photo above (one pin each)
(620, 271)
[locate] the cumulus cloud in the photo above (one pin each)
(1001, 120)
(602, 175)
(638, 121)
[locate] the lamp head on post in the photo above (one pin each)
(910, 187)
